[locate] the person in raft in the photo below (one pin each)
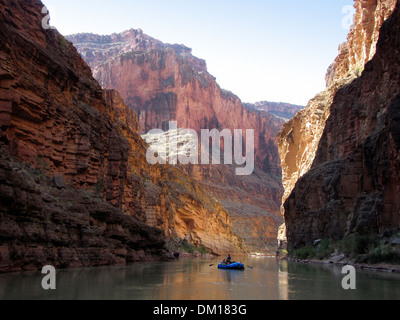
(229, 259)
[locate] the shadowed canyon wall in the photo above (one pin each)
(339, 155)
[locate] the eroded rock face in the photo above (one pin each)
(55, 118)
(166, 83)
(340, 161)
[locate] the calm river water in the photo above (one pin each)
(194, 279)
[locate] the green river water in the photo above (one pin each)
(265, 278)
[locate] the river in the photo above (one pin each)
(265, 278)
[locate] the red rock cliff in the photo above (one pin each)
(57, 145)
(165, 82)
(55, 118)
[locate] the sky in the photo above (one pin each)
(261, 50)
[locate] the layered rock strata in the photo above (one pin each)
(43, 222)
(55, 117)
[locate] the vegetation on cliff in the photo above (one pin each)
(357, 248)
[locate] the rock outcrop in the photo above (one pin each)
(339, 155)
(55, 117)
(164, 83)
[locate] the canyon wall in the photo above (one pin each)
(164, 82)
(57, 144)
(339, 155)
(57, 122)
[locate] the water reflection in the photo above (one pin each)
(195, 279)
(283, 280)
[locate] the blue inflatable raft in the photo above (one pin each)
(232, 266)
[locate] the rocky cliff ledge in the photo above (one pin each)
(340, 158)
(43, 221)
(56, 119)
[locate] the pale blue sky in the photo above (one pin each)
(276, 50)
